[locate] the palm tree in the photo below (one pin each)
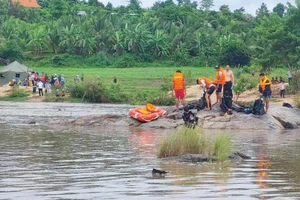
(38, 40)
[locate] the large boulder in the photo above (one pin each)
(215, 119)
(288, 117)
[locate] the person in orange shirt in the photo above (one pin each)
(219, 82)
(265, 88)
(209, 88)
(178, 89)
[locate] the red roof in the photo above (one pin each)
(27, 3)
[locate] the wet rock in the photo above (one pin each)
(199, 158)
(94, 120)
(163, 123)
(195, 158)
(238, 121)
(237, 156)
(289, 118)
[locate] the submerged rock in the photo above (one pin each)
(199, 158)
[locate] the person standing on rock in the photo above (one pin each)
(219, 82)
(229, 82)
(209, 88)
(179, 89)
(265, 88)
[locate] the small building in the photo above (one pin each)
(12, 71)
(26, 3)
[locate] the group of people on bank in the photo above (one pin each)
(222, 86)
(44, 82)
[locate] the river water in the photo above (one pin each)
(116, 163)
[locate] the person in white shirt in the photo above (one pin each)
(40, 86)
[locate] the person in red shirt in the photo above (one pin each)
(178, 89)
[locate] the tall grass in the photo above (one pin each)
(222, 147)
(193, 141)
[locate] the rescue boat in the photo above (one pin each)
(146, 114)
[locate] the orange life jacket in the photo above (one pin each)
(222, 78)
(178, 81)
(207, 81)
(263, 83)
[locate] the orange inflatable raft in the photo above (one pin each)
(146, 114)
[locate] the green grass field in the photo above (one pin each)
(140, 78)
(144, 83)
(131, 79)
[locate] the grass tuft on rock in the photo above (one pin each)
(222, 147)
(193, 141)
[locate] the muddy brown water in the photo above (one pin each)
(116, 162)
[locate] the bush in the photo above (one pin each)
(101, 59)
(163, 99)
(193, 141)
(17, 93)
(245, 82)
(96, 92)
(166, 86)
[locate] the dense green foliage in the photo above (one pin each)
(61, 34)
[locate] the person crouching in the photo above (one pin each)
(209, 88)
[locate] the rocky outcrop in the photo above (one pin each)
(288, 117)
(277, 119)
(96, 121)
(238, 121)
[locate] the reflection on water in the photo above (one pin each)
(116, 163)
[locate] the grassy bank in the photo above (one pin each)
(136, 85)
(141, 84)
(194, 141)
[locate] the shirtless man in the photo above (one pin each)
(229, 82)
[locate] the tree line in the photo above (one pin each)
(183, 33)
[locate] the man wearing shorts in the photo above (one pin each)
(265, 88)
(179, 89)
(219, 82)
(209, 88)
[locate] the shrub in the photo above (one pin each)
(245, 82)
(193, 141)
(96, 92)
(166, 85)
(17, 93)
(163, 99)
